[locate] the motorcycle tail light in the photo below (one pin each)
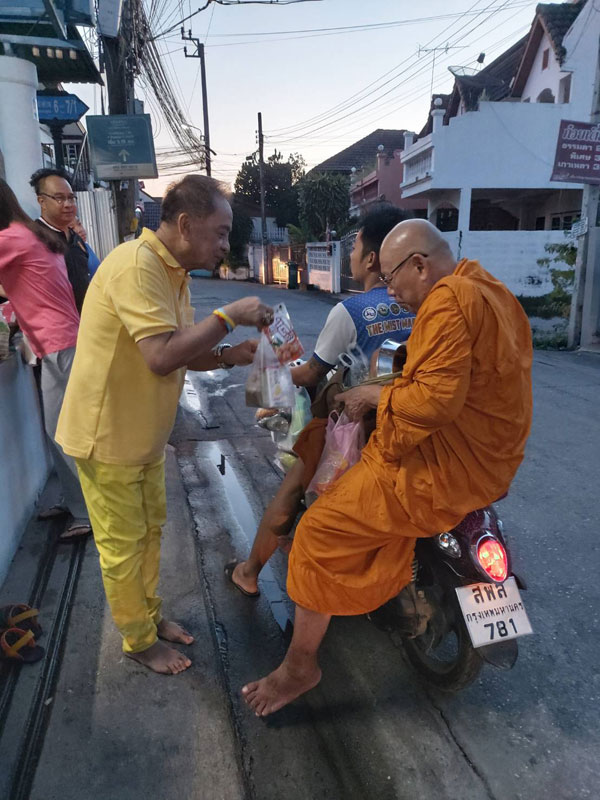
(492, 557)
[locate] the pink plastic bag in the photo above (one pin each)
(344, 441)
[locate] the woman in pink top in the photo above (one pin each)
(34, 277)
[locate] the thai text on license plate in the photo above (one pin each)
(493, 612)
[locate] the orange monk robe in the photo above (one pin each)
(450, 436)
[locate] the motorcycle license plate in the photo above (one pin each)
(493, 612)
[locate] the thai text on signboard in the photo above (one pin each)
(577, 157)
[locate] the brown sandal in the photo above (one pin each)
(20, 616)
(19, 645)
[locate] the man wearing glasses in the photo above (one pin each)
(450, 436)
(58, 206)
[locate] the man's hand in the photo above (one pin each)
(358, 401)
(250, 311)
(241, 354)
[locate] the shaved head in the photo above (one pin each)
(414, 256)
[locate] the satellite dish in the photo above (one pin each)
(463, 72)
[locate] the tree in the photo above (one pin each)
(281, 177)
(560, 261)
(324, 202)
(241, 231)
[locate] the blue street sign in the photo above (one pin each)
(121, 146)
(61, 107)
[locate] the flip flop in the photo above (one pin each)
(20, 616)
(75, 537)
(19, 645)
(229, 575)
(54, 512)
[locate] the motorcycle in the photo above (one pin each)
(463, 607)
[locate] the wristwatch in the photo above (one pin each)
(218, 354)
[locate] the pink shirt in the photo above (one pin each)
(36, 283)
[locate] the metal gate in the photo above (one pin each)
(348, 284)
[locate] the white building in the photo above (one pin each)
(484, 160)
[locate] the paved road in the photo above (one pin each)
(371, 729)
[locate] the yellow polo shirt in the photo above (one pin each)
(116, 410)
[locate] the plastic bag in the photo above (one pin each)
(283, 337)
(344, 441)
(269, 384)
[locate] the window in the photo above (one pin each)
(540, 223)
(447, 219)
(545, 58)
(564, 89)
(564, 222)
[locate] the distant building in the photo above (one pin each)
(484, 159)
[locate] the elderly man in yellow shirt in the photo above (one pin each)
(136, 339)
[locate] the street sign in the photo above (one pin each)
(579, 228)
(60, 108)
(121, 146)
(577, 157)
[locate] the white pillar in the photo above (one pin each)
(464, 210)
(20, 141)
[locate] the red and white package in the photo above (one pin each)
(282, 336)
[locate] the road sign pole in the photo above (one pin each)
(56, 130)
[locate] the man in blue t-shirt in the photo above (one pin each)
(366, 320)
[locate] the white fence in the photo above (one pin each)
(509, 255)
(323, 260)
(97, 214)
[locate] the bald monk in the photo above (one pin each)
(450, 436)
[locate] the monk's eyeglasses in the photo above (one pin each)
(387, 279)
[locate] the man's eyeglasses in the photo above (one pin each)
(387, 279)
(61, 199)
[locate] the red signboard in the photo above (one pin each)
(577, 157)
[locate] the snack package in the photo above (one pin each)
(269, 384)
(282, 336)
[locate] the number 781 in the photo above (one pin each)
(501, 628)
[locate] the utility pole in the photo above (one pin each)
(261, 173)
(584, 320)
(199, 53)
(120, 88)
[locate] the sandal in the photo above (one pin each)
(19, 645)
(229, 575)
(84, 531)
(54, 512)
(20, 616)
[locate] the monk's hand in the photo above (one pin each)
(241, 354)
(359, 401)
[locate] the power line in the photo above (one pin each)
(295, 135)
(234, 3)
(362, 93)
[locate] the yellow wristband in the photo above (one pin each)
(225, 317)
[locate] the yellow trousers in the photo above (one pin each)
(127, 507)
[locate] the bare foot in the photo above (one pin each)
(279, 688)
(161, 658)
(242, 576)
(173, 632)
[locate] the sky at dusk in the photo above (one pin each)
(319, 90)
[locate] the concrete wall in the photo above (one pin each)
(324, 269)
(509, 255)
(24, 461)
(20, 142)
(540, 79)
